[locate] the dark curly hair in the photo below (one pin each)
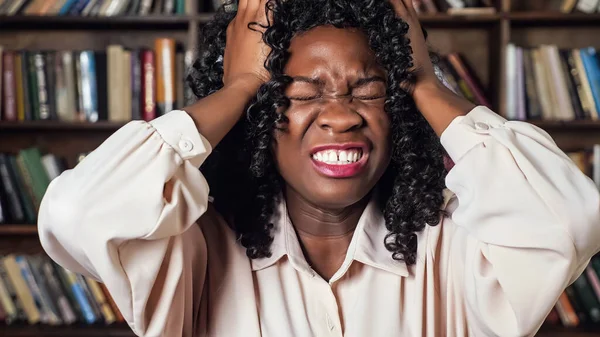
(241, 170)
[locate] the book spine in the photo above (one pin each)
(587, 6)
(70, 86)
(32, 161)
(57, 292)
(136, 85)
(22, 189)
(115, 81)
(179, 80)
(169, 7)
(29, 266)
(102, 84)
(27, 182)
(16, 209)
(21, 289)
(109, 316)
(566, 312)
(589, 300)
(112, 303)
(20, 101)
(88, 86)
(575, 77)
(67, 290)
(27, 109)
(592, 71)
(50, 69)
(6, 302)
(577, 307)
(165, 75)
(12, 294)
(34, 290)
(79, 294)
(42, 91)
(460, 68)
(33, 87)
(9, 99)
(148, 86)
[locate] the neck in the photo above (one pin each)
(313, 220)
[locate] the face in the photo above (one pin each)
(336, 145)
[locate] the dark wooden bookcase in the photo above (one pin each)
(481, 39)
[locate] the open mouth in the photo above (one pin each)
(340, 161)
(341, 157)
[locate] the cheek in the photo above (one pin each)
(288, 141)
(379, 127)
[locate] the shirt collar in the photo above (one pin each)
(366, 246)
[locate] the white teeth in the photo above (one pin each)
(338, 157)
(343, 156)
(332, 157)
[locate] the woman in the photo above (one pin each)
(330, 216)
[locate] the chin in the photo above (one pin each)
(337, 194)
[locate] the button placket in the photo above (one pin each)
(330, 307)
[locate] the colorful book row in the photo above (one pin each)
(24, 178)
(34, 289)
(97, 7)
(552, 84)
(116, 84)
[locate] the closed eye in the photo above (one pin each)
(369, 98)
(304, 98)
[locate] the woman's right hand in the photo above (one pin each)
(245, 51)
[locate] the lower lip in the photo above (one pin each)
(340, 171)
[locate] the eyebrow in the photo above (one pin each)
(319, 82)
(367, 80)
(309, 80)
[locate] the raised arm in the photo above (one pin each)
(125, 215)
(525, 219)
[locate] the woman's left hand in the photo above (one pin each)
(422, 66)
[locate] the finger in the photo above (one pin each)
(253, 5)
(261, 12)
(242, 5)
(410, 6)
(400, 7)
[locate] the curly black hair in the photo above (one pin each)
(241, 170)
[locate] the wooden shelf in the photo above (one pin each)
(23, 22)
(18, 229)
(559, 331)
(117, 330)
(57, 125)
(458, 21)
(542, 18)
(568, 126)
(553, 19)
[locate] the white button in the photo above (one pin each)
(329, 323)
(482, 126)
(185, 145)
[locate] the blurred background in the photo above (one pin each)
(73, 71)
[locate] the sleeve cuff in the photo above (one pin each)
(466, 132)
(179, 131)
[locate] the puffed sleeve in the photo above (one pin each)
(527, 221)
(111, 218)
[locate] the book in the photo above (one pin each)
(116, 84)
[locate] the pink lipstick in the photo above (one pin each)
(340, 160)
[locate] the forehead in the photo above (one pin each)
(339, 50)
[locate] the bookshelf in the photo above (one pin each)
(481, 39)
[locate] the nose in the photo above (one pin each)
(339, 116)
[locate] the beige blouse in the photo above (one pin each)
(524, 221)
